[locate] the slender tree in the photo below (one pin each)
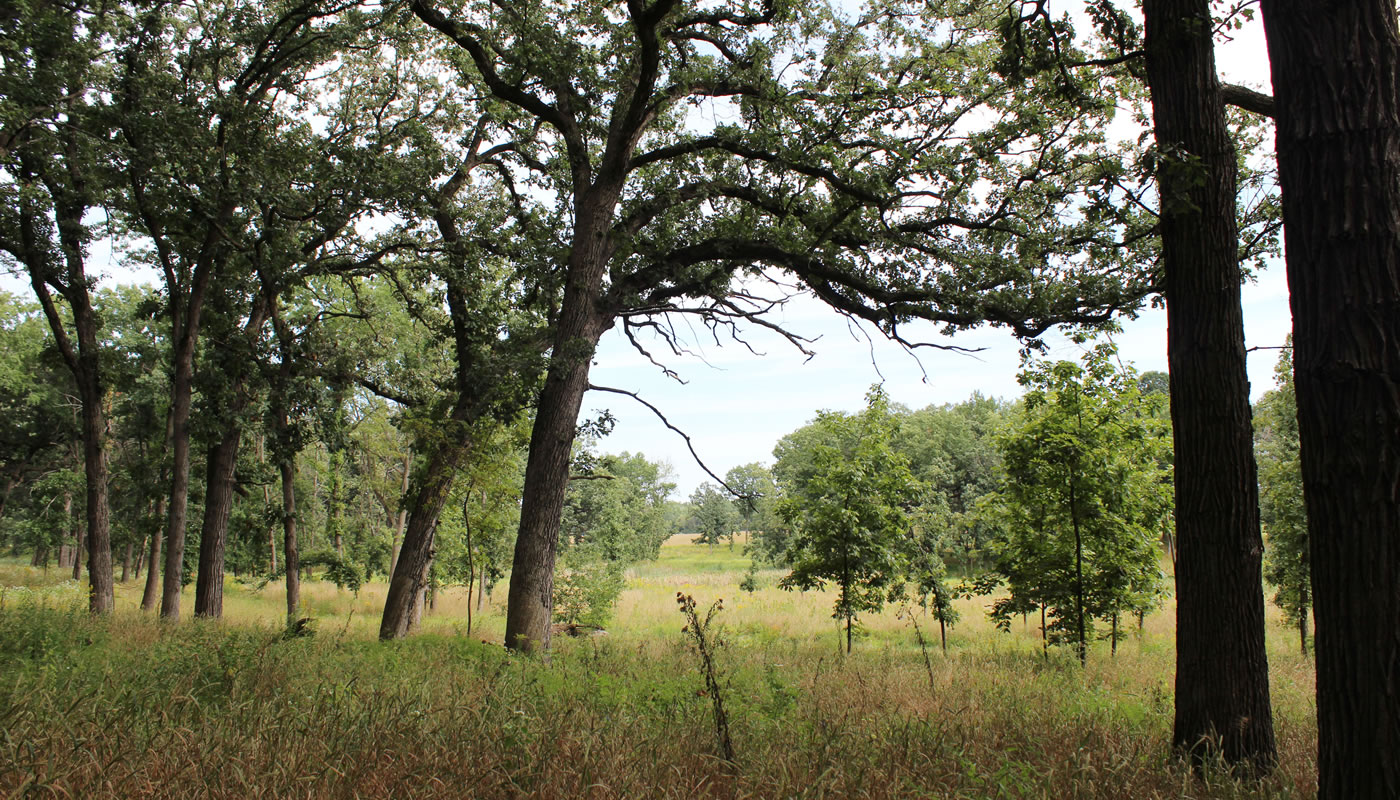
(51, 181)
(1287, 563)
(1336, 75)
(849, 520)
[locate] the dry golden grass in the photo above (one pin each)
(134, 708)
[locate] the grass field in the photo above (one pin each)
(130, 707)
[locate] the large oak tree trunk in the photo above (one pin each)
(581, 323)
(94, 427)
(219, 478)
(218, 504)
(181, 398)
(1222, 679)
(1335, 68)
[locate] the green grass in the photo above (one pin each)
(129, 707)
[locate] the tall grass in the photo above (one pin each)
(130, 707)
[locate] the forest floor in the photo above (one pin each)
(129, 707)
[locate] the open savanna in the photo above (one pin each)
(130, 707)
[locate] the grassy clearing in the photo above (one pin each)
(133, 708)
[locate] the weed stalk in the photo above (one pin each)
(699, 631)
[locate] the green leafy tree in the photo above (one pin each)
(52, 182)
(837, 166)
(951, 450)
(1085, 498)
(712, 515)
(849, 517)
(1281, 507)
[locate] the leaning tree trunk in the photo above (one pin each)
(582, 322)
(427, 495)
(1335, 69)
(101, 598)
(1222, 679)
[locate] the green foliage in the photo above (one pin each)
(1086, 498)
(1281, 507)
(712, 515)
(849, 514)
(619, 510)
(586, 587)
(339, 570)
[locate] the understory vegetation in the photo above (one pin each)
(129, 707)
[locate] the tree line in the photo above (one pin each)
(512, 184)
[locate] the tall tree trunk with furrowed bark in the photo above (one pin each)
(1336, 74)
(1222, 678)
(531, 600)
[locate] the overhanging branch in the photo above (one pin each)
(689, 445)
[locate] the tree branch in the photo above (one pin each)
(689, 445)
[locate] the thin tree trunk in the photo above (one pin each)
(126, 562)
(1222, 678)
(403, 511)
(261, 450)
(291, 557)
(1336, 76)
(1044, 635)
(1078, 574)
(471, 559)
(152, 592)
(480, 590)
(77, 554)
(178, 432)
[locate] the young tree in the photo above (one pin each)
(1281, 505)
(1334, 71)
(1085, 497)
(849, 519)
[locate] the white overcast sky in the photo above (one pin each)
(736, 405)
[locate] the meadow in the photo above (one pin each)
(130, 707)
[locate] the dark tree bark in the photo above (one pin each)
(185, 331)
(1335, 68)
(219, 476)
(68, 189)
(291, 557)
(427, 495)
(151, 594)
(218, 504)
(1222, 679)
(530, 602)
